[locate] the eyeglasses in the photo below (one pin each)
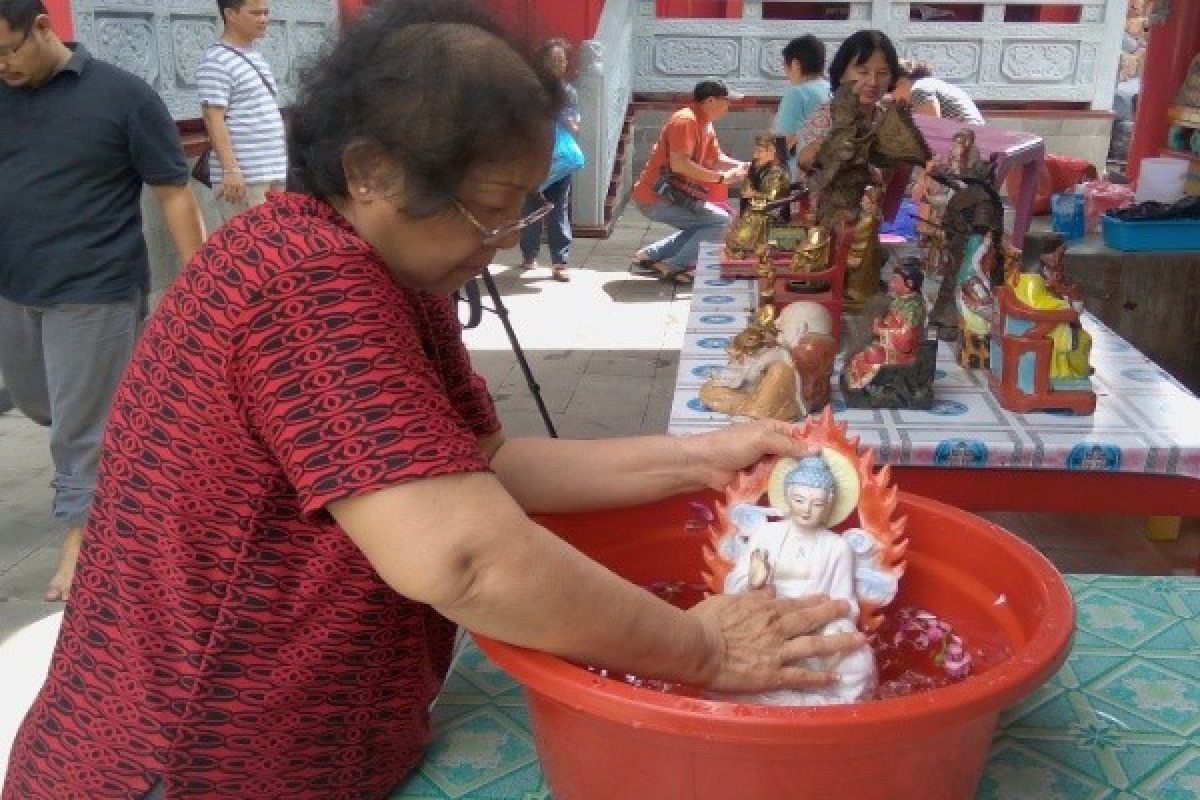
(492, 236)
(5, 55)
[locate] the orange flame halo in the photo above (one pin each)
(876, 505)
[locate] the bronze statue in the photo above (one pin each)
(859, 143)
(974, 208)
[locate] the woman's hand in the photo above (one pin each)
(760, 643)
(722, 453)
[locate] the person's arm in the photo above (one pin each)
(682, 163)
(610, 473)
(233, 183)
(183, 218)
(460, 544)
(924, 101)
(929, 106)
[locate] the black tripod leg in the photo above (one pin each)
(502, 313)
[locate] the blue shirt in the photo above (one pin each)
(797, 103)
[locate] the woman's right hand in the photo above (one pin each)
(760, 643)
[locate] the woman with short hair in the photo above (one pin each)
(305, 487)
(867, 59)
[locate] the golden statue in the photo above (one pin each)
(812, 255)
(866, 255)
(760, 380)
(767, 183)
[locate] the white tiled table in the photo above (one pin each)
(1138, 454)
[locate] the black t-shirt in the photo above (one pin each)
(74, 153)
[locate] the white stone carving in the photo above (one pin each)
(1092, 14)
(161, 41)
(696, 56)
(1087, 62)
(770, 58)
(953, 61)
(1038, 61)
(128, 42)
(190, 36)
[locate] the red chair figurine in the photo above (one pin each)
(1023, 344)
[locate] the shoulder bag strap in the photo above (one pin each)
(266, 83)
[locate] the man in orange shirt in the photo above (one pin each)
(686, 155)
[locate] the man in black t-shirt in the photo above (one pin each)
(78, 139)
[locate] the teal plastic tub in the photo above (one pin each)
(1159, 234)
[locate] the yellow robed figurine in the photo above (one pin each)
(1072, 344)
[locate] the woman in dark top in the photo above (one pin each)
(304, 486)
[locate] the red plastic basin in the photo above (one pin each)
(601, 739)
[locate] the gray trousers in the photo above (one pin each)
(61, 365)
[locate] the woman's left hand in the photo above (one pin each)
(724, 452)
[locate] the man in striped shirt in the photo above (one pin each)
(237, 92)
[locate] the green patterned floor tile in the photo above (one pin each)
(480, 753)
(1118, 620)
(1087, 664)
(1144, 689)
(1177, 780)
(476, 668)
(1179, 640)
(1015, 772)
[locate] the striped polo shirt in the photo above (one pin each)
(224, 78)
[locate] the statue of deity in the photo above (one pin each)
(760, 380)
(768, 182)
(866, 255)
(806, 330)
(812, 255)
(897, 334)
(799, 555)
(1038, 286)
(976, 302)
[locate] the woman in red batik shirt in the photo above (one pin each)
(304, 486)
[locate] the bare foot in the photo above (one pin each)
(60, 584)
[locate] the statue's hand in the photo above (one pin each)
(759, 643)
(759, 573)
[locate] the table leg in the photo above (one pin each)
(1163, 529)
(1023, 210)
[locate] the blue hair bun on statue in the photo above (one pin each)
(811, 471)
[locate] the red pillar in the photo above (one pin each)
(59, 12)
(348, 10)
(1168, 53)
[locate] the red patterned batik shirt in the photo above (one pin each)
(223, 634)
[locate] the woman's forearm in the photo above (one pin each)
(553, 475)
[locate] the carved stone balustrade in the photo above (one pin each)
(162, 42)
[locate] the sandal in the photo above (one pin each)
(643, 266)
(559, 273)
(680, 278)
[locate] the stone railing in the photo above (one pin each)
(605, 86)
(162, 42)
(992, 59)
